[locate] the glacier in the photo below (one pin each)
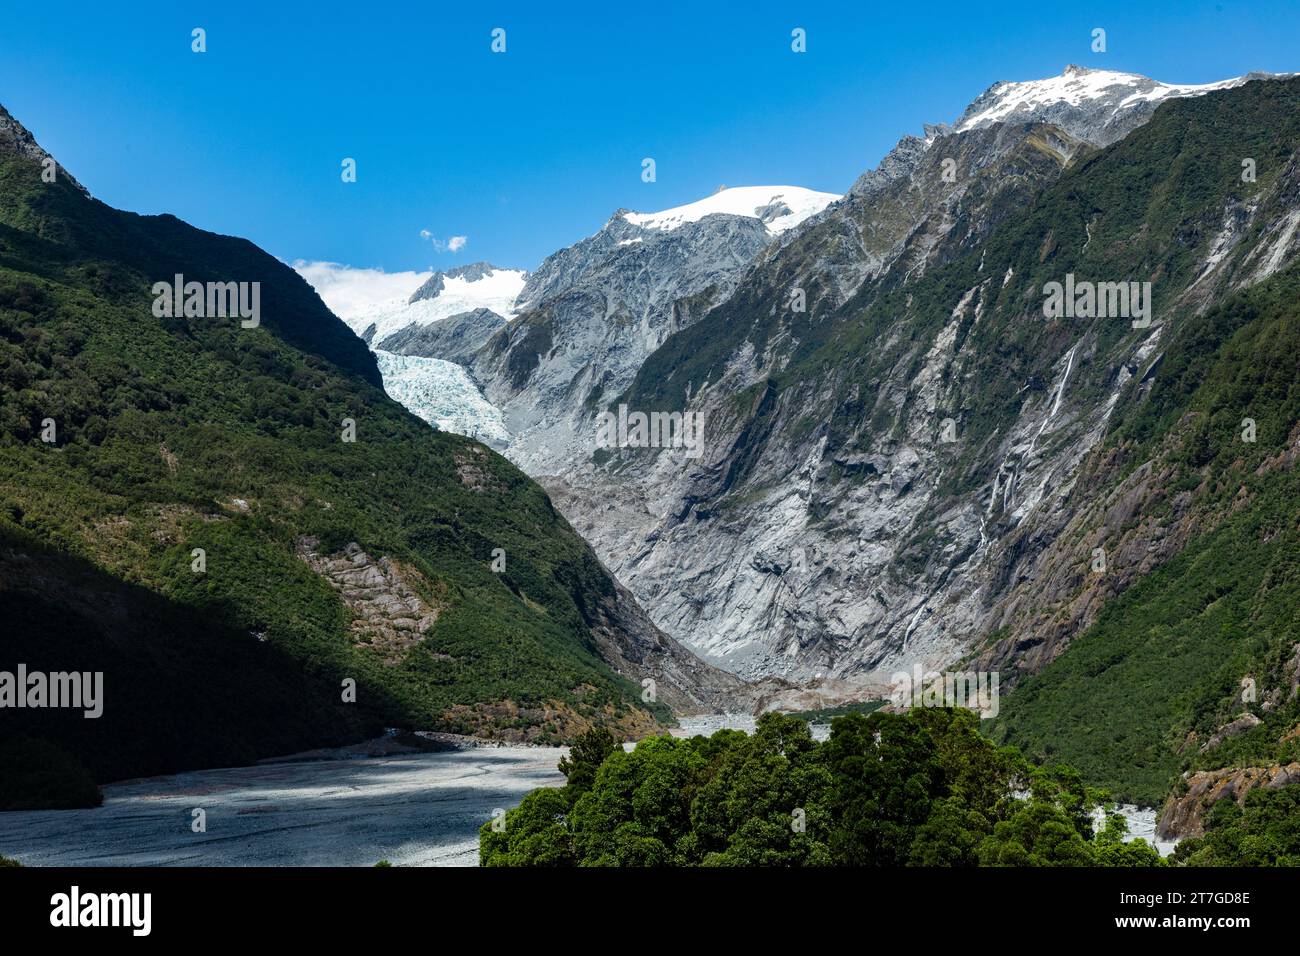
(443, 395)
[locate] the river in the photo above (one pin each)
(421, 809)
(339, 809)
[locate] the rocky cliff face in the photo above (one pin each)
(390, 615)
(15, 139)
(453, 339)
(889, 474)
(1184, 814)
(793, 580)
(592, 312)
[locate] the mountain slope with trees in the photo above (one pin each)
(176, 434)
(918, 789)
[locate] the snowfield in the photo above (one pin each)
(496, 291)
(1077, 87)
(780, 207)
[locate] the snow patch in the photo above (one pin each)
(1076, 87)
(362, 297)
(352, 293)
(780, 207)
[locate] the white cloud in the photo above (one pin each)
(352, 293)
(454, 244)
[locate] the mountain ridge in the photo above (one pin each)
(137, 444)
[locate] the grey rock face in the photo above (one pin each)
(631, 643)
(829, 527)
(928, 201)
(748, 554)
(1183, 815)
(15, 138)
(1098, 106)
(390, 615)
(897, 165)
(589, 316)
(1233, 728)
(454, 339)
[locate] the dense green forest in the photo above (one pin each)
(175, 434)
(1265, 831)
(923, 788)
(1166, 658)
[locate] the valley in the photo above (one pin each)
(1019, 406)
(930, 409)
(347, 807)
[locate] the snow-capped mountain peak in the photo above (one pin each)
(1096, 105)
(462, 279)
(778, 207)
(479, 285)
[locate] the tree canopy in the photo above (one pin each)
(922, 788)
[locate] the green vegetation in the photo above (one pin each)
(825, 714)
(184, 433)
(1166, 658)
(923, 788)
(182, 688)
(1265, 832)
(1133, 700)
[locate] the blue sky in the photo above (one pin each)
(526, 151)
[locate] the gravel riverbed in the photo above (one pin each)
(419, 809)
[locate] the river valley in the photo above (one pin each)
(338, 808)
